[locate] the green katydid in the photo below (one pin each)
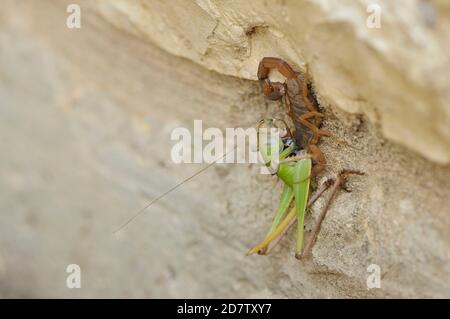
(296, 178)
(294, 168)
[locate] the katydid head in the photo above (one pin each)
(274, 142)
(270, 143)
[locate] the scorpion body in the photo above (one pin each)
(300, 103)
(296, 108)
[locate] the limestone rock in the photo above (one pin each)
(398, 74)
(85, 122)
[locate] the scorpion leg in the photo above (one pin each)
(309, 105)
(319, 158)
(305, 91)
(287, 101)
(316, 131)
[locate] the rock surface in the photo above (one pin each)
(398, 74)
(85, 123)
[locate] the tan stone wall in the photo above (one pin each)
(356, 68)
(85, 124)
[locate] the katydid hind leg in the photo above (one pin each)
(286, 198)
(339, 183)
(301, 192)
